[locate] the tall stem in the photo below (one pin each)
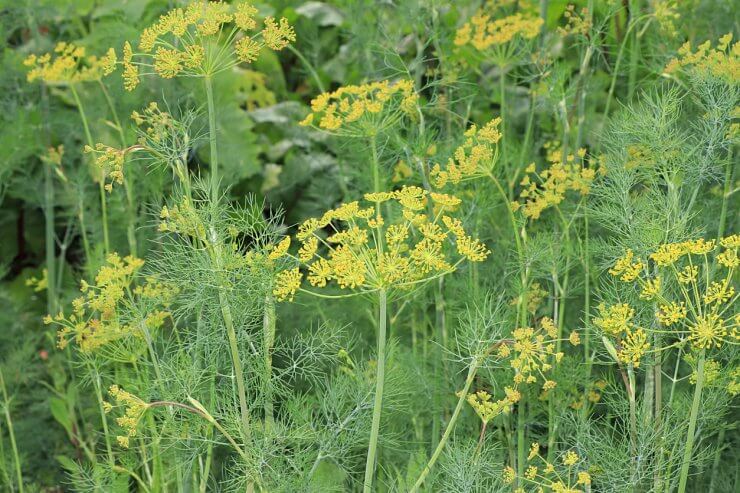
(131, 229)
(729, 167)
(235, 359)
(212, 137)
(101, 181)
(502, 114)
(268, 328)
(689, 446)
(103, 417)
(372, 449)
(450, 426)
(11, 433)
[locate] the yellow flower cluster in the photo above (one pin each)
(616, 321)
(110, 161)
(534, 352)
(626, 267)
(482, 32)
(548, 188)
(185, 41)
(706, 299)
(535, 295)
(543, 475)
(639, 156)
(134, 409)
(68, 65)
(487, 409)
(357, 248)
(37, 284)
(474, 158)
(182, 219)
(576, 22)
(721, 62)
(100, 315)
(364, 110)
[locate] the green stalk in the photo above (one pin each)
(631, 391)
(308, 66)
(51, 291)
(131, 228)
(689, 446)
(502, 114)
(450, 426)
(236, 361)
(634, 52)
(617, 64)
(103, 417)
(521, 446)
(11, 433)
(587, 306)
(268, 328)
(212, 137)
(101, 182)
(372, 448)
(717, 458)
(729, 167)
(83, 228)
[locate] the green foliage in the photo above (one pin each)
(182, 309)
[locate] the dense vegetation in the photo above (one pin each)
(408, 245)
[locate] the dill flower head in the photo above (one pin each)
(364, 110)
(548, 476)
(69, 64)
(39, 284)
(110, 162)
(101, 314)
(486, 408)
(702, 309)
(709, 331)
(719, 63)
(548, 188)
(201, 40)
(634, 346)
(355, 247)
(614, 319)
(534, 353)
(133, 410)
(626, 267)
(474, 158)
(482, 32)
(577, 23)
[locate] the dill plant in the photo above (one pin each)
(488, 247)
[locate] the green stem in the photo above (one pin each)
(131, 229)
(103, 417)
(377, 405)
(83, 228)
(502, 114)
(689, 446)
(268, 328)
(236, 361)
(631, 391)
(308, 66)
(729, 167)
(617, 64)
(212, 137)
(101, 181)
(11, 433)
(448, 431)
(717, 459)
(634, 52)
(521, 447)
